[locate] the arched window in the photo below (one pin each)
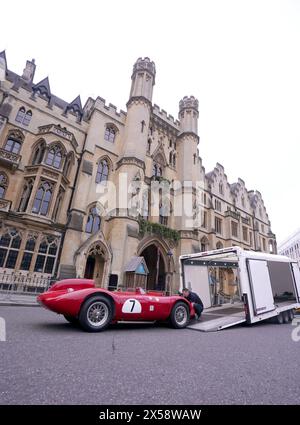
(170, 158)
(3, 184)
(164, 211)
(94, 221)
(221, 188)
(39, 153)
(58, 204)
(157, 170)
(204, 243)
(21, 114)
(68, 165)
(219, 245)
(10, 244)
(27, 189)
(28, 253)
(45, 259)
(27, 118)
(24, 117)
(102, 171)
(13, 145)
(174, 160)
(163, 219)
(110, 133)
(54, 156)
(243, 202)
(149, 146)
(42, 199)
(145, 204)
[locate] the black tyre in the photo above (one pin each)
(286, 317)
(279, 319)
(96, 314)
(71, 319)
(180, 315)
(291, 315)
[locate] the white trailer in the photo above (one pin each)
(239, 286)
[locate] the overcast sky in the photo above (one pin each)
(241, 59)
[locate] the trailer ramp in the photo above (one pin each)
(219, 318)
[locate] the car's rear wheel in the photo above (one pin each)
(180, 315)
(71, 319)
(96, 314)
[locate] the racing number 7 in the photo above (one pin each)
(133, 304)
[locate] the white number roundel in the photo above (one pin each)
(132, 306)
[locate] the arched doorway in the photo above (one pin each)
(219, 245)
(155, 261)
(95, 264)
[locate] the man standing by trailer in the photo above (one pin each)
(193, 298)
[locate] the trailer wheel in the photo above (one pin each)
(291, 315)
(279, 319)
(286, 316)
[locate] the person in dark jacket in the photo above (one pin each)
(193, 298)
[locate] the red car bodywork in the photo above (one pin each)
(67, 296)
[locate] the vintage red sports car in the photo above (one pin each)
(96, 308)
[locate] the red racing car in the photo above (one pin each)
(96, 308)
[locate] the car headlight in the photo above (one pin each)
(70, 290)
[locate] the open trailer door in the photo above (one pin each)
(261, 288)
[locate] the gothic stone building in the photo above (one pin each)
(53, 154)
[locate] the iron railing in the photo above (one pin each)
(24, 284)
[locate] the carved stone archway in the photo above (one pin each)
(160, 277)
(93, 260)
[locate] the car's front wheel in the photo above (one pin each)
(180, 315)
(96, 314)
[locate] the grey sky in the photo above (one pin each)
(241, 59)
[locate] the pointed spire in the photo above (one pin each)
(75, 108)
(3, 57)
(76, 104)
(43, 87)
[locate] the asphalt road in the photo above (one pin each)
(45, 360)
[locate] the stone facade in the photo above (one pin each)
(53, 157)
(291, 246)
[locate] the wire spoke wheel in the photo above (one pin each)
(97, 313)
(180, 314)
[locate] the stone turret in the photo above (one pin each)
(29, 71)
(143, 79)
(139, 109)
(188, 114)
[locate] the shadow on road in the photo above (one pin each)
(69, 327)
